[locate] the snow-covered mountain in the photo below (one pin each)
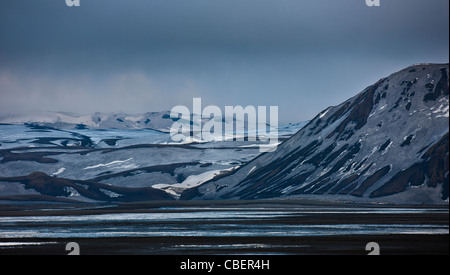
(111, 157)
(160, 121)
(388, 143)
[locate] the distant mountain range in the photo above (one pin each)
(388, 143)
(65, 158)
(159, 121)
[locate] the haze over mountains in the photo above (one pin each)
(387, 143)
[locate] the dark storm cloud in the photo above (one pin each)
(142, 55)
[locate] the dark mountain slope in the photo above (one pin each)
(53, 187)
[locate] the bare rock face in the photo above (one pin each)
(388, 143)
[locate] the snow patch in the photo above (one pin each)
(111, 164)
(135, 119)
(382, 107)
(442, 110)
(190, 182)
(387, 148)
(322, 115)
(110, 193)
(60, 171)
(73, 192)
(253, 169)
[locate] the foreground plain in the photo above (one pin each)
(294, 227)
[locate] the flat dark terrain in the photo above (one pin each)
(324, 245)
(224, 227)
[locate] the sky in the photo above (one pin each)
(138, 56)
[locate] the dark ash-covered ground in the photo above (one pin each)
(237, 236)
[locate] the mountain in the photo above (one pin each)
(60, 157)
(389, 143)
(160, 121)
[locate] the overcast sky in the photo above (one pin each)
(150, 55)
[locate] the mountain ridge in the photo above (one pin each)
(159, 121)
